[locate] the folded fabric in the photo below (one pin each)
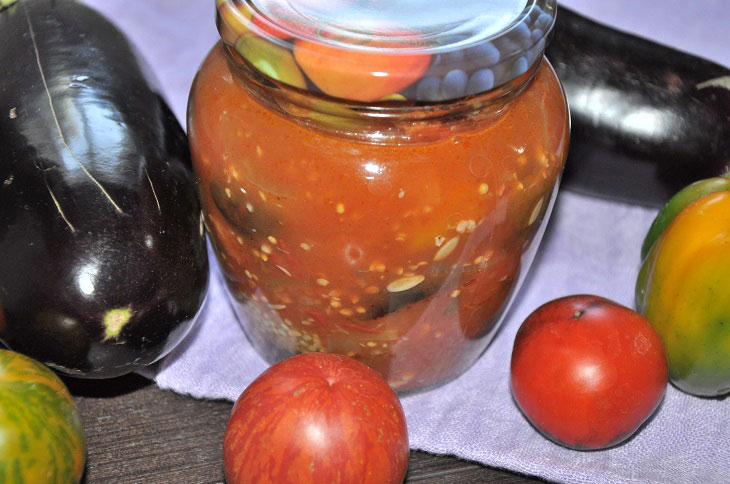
(591, 246)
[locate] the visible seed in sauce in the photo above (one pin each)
(372, 290)
(401, 193)
(259, 151)
(340, 208)
(262, 195)
(347, 312)
(446, 249)
(377, 267)
(323, 282)
(228, 192)
(455, 293)
(249, 207)
(466, 226)
(283, 269)
(405, 283)
(439, 240)
(371, 344)
(305, 246)
(272, 239)
(483, 189)
(266, 249)
(360, 310)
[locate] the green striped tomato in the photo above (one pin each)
(41, 434)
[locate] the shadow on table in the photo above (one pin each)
(106, 388)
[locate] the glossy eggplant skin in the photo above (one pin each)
(103, 259)
(647, 120)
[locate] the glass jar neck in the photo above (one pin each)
(390, 122)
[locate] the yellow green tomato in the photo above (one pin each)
(41, 435)
(274, 61)
(683, 289)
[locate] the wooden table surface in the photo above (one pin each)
(137, 433)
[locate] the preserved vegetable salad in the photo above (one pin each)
(361, 213)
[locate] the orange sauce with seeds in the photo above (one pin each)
(401, 255)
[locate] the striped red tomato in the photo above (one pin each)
(316, 418)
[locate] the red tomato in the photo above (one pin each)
(360, 75)
(587, 372)
(314, 418)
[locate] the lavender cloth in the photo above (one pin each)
(591, 246)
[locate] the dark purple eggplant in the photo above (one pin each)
(647, 119)
(103, 259)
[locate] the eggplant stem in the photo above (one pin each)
(723, 81)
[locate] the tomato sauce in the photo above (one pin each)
(402, 255)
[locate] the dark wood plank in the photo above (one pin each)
(137, 433)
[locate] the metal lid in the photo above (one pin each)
(389, 50)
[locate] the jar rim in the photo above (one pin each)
(369, 51)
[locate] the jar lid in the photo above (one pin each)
(388, 50)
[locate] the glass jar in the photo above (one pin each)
(375, 183)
